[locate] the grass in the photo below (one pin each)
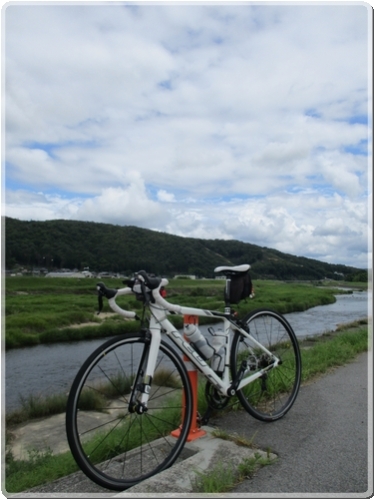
(163, 377)
(224, 477)
(35, 406)
(238, 440)
(40, 467)
(115, 443)
(43, 466)
(44, 310)
(328, 354)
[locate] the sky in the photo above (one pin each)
(245, 121)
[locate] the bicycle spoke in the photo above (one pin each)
(117, 448)
(271, 395)
(100, 426)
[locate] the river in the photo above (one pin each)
(50, 368)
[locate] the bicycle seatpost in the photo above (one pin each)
(227, 309)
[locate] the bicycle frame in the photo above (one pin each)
(159, 324)
(144, 395)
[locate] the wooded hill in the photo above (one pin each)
(69, 244)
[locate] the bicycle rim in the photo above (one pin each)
(113, 447)
(272, 395)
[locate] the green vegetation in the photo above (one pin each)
(41, 310)
(238, 440)
(137, 432)
(319, 354)
(44, 310)
(41, 467)
(91, 398)
(37, 407)
(104, 247)
(333, 349)
(224, 477)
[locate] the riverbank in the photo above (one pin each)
(39, 311)
(37, 406)
(42, 371)
(49, 460)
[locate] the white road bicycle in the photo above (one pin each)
(134, 391)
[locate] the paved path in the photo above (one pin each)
(323, 443)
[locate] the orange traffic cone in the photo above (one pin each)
(195, 431)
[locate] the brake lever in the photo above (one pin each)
(102, 292)
(100, 301)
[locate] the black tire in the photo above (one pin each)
(113, 447)
(271, 396)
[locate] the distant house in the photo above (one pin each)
(185, 276)
(106, 274)
(71, 274)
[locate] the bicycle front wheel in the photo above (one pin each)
(117, 448)
(272, 395)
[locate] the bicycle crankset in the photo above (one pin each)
(214, 398)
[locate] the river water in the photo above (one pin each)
(51, 368)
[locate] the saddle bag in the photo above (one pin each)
(240, 287)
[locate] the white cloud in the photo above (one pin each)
(163, 115)
(26, 205)
(163, 195)
(123, 206)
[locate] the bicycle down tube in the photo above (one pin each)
(158, 322)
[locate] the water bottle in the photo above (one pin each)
(199, 342)
(218, 343)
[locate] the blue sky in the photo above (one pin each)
(233, 121)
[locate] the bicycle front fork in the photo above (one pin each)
(141, 388)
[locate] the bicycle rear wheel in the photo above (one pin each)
(117, 448)
(272, 395)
